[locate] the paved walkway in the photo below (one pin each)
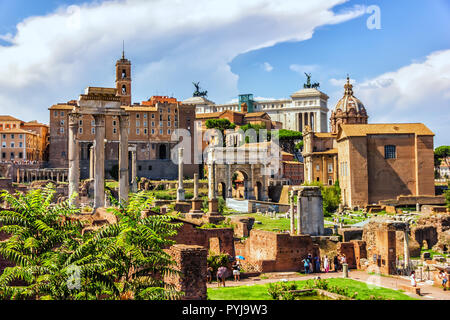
(428, 292)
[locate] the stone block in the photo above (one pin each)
(411, 289)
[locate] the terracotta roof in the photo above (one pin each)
(8, 118)
(34, 123)
(324, 135)
(209, 115)
(17, 131)
(61, 106)
(293, 162)
(331, 151)
(361, 130)
(255, 114)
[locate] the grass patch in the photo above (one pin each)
(259, 292)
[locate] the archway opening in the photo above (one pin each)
(222, 190)
(240, 185)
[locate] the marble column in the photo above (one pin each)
(292, 215)
(406, 257)
(124, 184)
(229, 182)
(91, 163)
(251, 189)
(299, 210)
(99, 163)
(180, 191)
(210, 181)
(195, 186)
(74, 161)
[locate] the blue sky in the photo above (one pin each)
(401, 72)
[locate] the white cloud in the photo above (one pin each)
(303, 68)
(419, 92)
(171, 43)
(267, 67)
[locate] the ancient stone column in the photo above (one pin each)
(299, 212)
(99, 164)
(195, 186)
(74, 161)
(292, 216)
(124, 185)
(133, 170)
(251, 189)
(91, 163)
(229, 182)
(180, 191)
(406, 248)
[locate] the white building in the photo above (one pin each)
(305, 107)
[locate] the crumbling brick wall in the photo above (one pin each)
(191, 262)
(190, 234)
(348, 248)
(271, 252)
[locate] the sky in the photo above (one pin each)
(396, 52)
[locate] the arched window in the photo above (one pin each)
(124, 89)
(124, 74)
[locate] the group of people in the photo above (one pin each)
(313, 264)
(222, 273)
(443, 275)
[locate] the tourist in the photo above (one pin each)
(326, 264)
(310, 263)
(317, 264)
(413, 278)
(236, 270)
(306, 265)
(444, 276)
(336, 263)
(221, 275)
(209, 274)
(343, 259)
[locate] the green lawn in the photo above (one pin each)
(270, 224)
(259, 292)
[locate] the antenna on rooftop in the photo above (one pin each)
(123, 49)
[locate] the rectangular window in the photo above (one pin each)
(153, 131)
(55, 113)
(114, 130)
(145, 131)
(150, 168)
(12, 155)
(168, 131)
(160, 123)
(145, 116)
(80, 130)
(390, 152)
(20, 145)
(168, 123)
(81, 122)
(62, 113)
(138, 123)
(153, 116)
(93, 123)
(3, 144)
(138, 131)
(20, 136)
(145, 123)
(138, 116)
(20, 155)
(93, 130)
(3, 155)
(61, 122)
(330, 168)
(317, 168)
(160, 131)
(4, 136)
(153, 123)
(114, 123)
(12, 136)
(61, 130)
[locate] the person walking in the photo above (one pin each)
(221, 275)
(444, 277)
(310, 263)
(306, 265)
(236, 270)
(336, 263)
(317, 264)
(326, 264)
(413, 278)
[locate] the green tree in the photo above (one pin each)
(119, 261)
(441, 153)
(331, 196)
(447, 196)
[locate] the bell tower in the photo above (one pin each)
(123, 80)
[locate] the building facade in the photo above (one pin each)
(22, 141)
(152, 130)
(306, 107)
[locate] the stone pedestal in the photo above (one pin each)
(345, 270)
(196, 211)
(213, 215)
(310, 207)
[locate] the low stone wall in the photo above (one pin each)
(413, 200)
(351, 234)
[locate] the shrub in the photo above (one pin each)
(216, 261)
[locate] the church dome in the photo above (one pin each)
(349, 103)
(349, 109)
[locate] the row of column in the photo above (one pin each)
(97, 171)
(29, 175)
(307, 119)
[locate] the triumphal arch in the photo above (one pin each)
(256, 162)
